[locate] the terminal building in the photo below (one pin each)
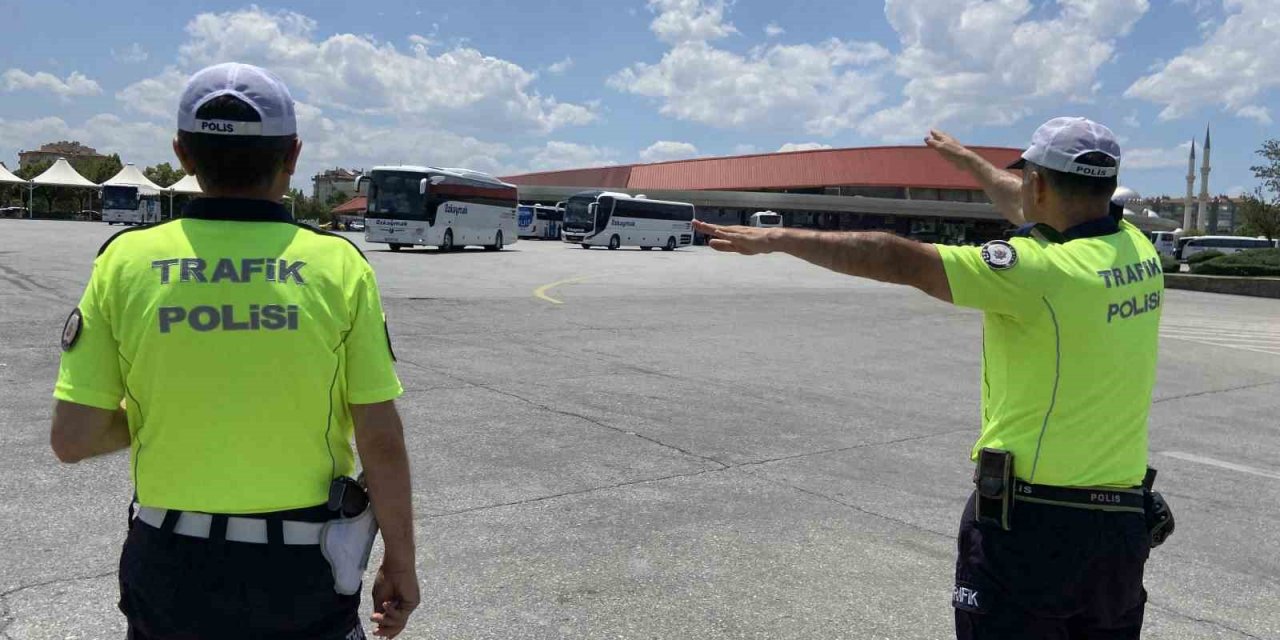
(909, 190)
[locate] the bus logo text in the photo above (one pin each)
(448, 208)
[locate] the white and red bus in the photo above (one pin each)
(438, 207)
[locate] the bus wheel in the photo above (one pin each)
(447, 243)
(497, 243)
(396, 247)
(671, 244)
(586, 246)
(614, 243)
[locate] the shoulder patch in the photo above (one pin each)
(71, 330)
(999, 255)
(331, 234)
(106, 244)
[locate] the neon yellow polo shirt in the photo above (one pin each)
(237, 339)
(1071, 332)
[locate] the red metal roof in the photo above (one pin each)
(614, 177)
(354, 205)
(918, 167)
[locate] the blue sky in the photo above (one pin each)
(514, 86)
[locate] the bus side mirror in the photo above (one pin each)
(359, 183)
(422, 187)
(591, 209)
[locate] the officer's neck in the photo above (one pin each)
(1064, 217)
(273, 192)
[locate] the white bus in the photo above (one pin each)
(1166, 242)
(436, 207)
(128, 204)
(540, 221)
(766, 219)
(1188, 247)
(605, 218)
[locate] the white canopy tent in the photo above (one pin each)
(187, 186)
(130, 176)
(61, 174)
(7, 177)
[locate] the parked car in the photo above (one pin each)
(13, 212)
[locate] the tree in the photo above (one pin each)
(1259, 217)
(163, 174)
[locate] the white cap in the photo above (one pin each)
(255, 86)
(1060, 142)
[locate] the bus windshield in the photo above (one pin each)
(576, 215)
(394, 195)
(120, 198)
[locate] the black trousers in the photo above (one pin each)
(1060, 573)
(178, 587)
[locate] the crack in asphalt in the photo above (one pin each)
(1216, 391)
(577, 492)
(721, 466)
(1212, 623)
(6, 615)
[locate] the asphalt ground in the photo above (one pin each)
(639, 444)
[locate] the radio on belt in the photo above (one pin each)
(994, 478)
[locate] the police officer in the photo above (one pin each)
(234, 352)
(1053, 542)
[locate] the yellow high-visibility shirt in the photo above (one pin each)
(1070, 339)
(237, 339)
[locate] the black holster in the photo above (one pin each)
(1159, 515)
(994, 480)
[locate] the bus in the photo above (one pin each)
(540, 221)
(129, 204)
(766, 219)
(1166, 242)
(449, 209)
(1188, 247)
(605, 218)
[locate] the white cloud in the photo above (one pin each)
(773, 30)
(142, 143)
(567, 155)
(818, 88)
(968, 62)
(664, 150)
(745, 149)
(802, 146)
(681, 21)
(156, 96)
(561, 66)
(1235, 65)
(458, 89)
(76, 84)
(1144, 158)
(1260, 114)
(1132, 120)
(132, 54)
(1236, 191)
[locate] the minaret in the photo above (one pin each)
(1202, 222)
(1189, 212)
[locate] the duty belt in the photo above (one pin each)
(231, 528)
(1099, 498)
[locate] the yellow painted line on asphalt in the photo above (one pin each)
(541, 292)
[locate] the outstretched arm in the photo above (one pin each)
(878, 256)
(1004, 188)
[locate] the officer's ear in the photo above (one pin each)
(188, 167)
(291, 158)
(1039, 188)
